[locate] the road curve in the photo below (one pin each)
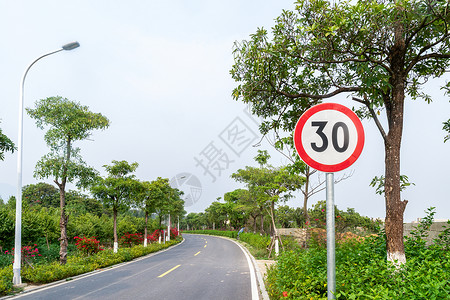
(202, 267)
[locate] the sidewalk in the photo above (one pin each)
(263, 264)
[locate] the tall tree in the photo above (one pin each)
(6, 145)
(118, 190)
(380, 51)
(67, 122)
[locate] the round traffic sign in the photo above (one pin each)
(329, 137)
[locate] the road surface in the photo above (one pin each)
(202, 267)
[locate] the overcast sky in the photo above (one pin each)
(159, 70)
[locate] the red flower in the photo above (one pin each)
(285, 294)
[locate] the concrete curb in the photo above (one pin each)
(73, 278)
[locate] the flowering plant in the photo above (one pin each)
(154, 236)
(131, 239)
(29, 254)
(88, 245)
(173, 233)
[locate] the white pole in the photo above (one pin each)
(331, 262)
(168, 230)
(17, 280)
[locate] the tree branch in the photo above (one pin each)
(373, 114)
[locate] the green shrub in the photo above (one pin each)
(6, 277)
(6, 259)
(255, 240)
(362, 271)
(79, 264)
(49, 252)
(6, 227)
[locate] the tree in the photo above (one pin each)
(379, 51)
(78, 204)
(41, 193)
(6, 145)
(146, 200)
(289, 217)
(170, 203)
(195, 221)
(216, 214)
(159, 197)
(67, 122)
(118, 189)
(271, 185)
(243, 205)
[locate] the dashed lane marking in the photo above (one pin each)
(164, 274)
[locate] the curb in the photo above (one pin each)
(261, 286)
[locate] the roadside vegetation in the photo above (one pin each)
(44, 268)
(362, 269)
(90, 232)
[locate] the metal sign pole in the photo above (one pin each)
(331, 261)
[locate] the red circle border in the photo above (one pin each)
(317, 165)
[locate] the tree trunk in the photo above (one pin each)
(272, 216)
(261, 219)
(63, 240)
(395, 207)
(116, 243)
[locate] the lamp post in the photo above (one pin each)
(17, 280)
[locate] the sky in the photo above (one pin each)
(159, 71)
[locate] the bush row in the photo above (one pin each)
(76, 265)
(41, 225)
(226, 233)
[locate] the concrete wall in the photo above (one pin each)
(300, 234)
(435, 229)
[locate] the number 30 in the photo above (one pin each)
(321, 125)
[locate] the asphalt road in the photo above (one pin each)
(202, 267)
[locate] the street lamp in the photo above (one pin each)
(18, 238)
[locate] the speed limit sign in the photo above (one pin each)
(329, 137)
